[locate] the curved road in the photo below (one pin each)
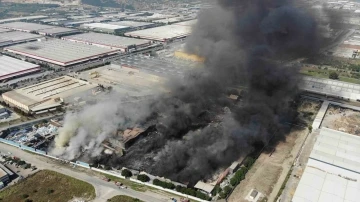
(104, 190)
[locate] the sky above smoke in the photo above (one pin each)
(245, 43)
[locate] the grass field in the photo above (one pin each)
(122, 198)
(46, 186)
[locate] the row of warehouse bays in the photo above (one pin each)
(29, 41)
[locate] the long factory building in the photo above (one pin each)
(48, 94)
(60, 52)
(163, 33)
(15, 37)
(332, 172)
(109, 41)
(11, 67)
(45, 30)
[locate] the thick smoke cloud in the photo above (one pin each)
(198, 130)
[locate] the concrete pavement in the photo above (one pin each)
(104, 190)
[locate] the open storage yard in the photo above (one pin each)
(342, 119)
(48, 186)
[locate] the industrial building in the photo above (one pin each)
(106, 28)
(60, 52)
(48, 94)
(5, 174)
(45, 30)
(133, 24)
(58, 31)
(4, 30)
(25, 26)
(207, 188)
(331, 87)
(126, 81)
(163, 33)
(11, 67)
(333, 169)
(109, 41)
(37, 17)
(187, 23)
(16, 37)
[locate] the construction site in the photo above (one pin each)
(342, 119)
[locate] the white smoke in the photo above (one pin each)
(84, 131)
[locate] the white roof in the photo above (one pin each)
(187, 23)
(107, 40)
(204, 186)
(4, 30)
(25, 26)
(337, 148)
(162, 33)
(332, 172)
(131, 23)
(104, 26)
(331, 87)
(13, 67)
(320, 186)
(59, 51)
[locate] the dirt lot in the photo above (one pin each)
(341, 119)
(269, 172)
(308, 109)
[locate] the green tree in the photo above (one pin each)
(334, 75)
(143, 178)
(126, 173)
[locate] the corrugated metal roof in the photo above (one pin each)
(59, 50)
(9, 65)
(333, 170)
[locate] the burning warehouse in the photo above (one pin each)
(182, 141)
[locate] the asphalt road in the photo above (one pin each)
(104, 190)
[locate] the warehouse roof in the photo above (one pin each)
(104, 26)
(337, 148)
(162, 33)
(3, 30)
(131, 23)
(26, 26)
(204, 186)
(332, 172)
(58, 30)
(187, 23)
(2, 173)
(10, 67)
(331, 87)
(43, 95)
(59, 51)
(23, 18)
(15, 36)
(107, 40)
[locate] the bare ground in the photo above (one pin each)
(341, 119)
(269, 172)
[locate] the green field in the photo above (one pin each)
(325, 75)
(46, 186)
(122, 198)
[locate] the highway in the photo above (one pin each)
(104, 190)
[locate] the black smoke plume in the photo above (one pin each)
(247, 43)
